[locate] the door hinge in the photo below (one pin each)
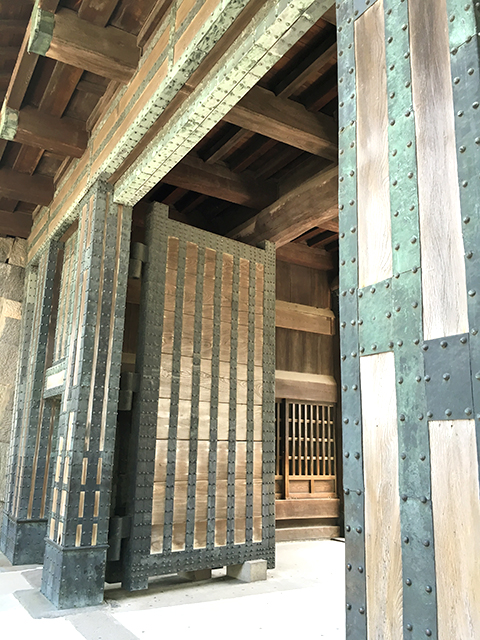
(119, 529)
(129, 384)
(138, 257)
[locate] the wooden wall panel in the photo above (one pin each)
(383, 555)
(443, 267)
(456, 516)
(374, 226)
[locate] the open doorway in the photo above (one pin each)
(268, 171)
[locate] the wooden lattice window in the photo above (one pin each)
(305, 448)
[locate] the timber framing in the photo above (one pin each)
(64, 136)
(65, 37)
(36, 189)
(305, 256)
(218, 181)
(286, 121)
(294, 213)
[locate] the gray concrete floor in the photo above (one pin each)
(303, 597)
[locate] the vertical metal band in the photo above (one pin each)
(349, 332)
(250, 400)
(174, 399)
(268, 408)
(418, 560)
(464, 24)
(194, 415)
(145, 406)
(212, 454)
(232, 422)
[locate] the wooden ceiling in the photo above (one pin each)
(270, 159)
(267, 146)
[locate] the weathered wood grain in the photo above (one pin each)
(442, 253)
(383, 554)
(456, 518)
(374, 226)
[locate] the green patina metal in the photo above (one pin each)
(41, 30)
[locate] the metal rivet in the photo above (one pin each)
(358, 529)
(409, 627)
(360, 569)
(429, 414)
(346, 454)
(404, 497)
(444, 344)
(428, 589)
(426, 543)
(357, 455)
(361, 610)
(422, 458)
(406, 540)
(408, 582)
(349, 567)
(446, 376)
(403, 456)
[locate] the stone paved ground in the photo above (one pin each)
(302, 598)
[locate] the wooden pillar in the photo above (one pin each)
(409, 91)
(77, 531)
(24, 521)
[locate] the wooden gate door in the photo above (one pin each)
(202, 474)
(409, 91)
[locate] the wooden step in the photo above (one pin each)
(325, 532)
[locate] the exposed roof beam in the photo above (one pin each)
(296, 212)
(30, 126)
(218, 151)
(15, 223)
(286, 121)
(330, 15)
(13, 26)
(108, 52)
(219, 182)
(35, 189)
(305, 256)
(314, 62)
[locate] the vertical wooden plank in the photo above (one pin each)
(374, 227)
(382, 503)
(443, 268)
(456, 518)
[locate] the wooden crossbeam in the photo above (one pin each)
(108, 52)
(300, 317)
(305, 256)
(64, 136)
(13, 26)
(15, 223)
(36, 189)
(286, 121)
(313, 63)
(219, 182)
(294, 213)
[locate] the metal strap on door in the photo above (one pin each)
(202, 473)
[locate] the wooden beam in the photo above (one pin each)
(15, 223)
(308, 387)
(153, 21)
(300, 317)
(313, 63)
(286, 121)
(305, 256)
(12, 27)
(330, 15)
(21, 75)
(108, 52)
(219, 182)
(36, 189)
(306, 206)
(64, 136)
(8, 53)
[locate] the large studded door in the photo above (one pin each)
(202, 481)
(409, 91)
